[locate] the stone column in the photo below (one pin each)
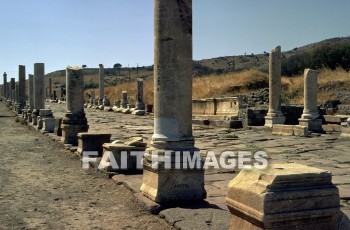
(92, 92)
(5, 85)
(30, 97)
(140, 104)
(310, 117)
(39, 86)
(62, 93)
(13, 92)
(21, 102)
(173, 107)
(124, 102)
(14, 107)
(274, 115)
(50, 88)
(74, 121)
(102, 83)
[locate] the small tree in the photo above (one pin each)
(84, 66)
(117, 66)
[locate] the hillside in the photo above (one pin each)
(216, 67)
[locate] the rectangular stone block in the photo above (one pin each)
(314, 125)
(285, 130)
(301, 131)
(121, 152)
(283, 196)
(92, 142)
(335, 119)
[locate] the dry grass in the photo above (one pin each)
(249, 81)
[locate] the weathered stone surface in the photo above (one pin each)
(173, 108)
(136, 141)
(74, 121)
(283, 196)
(301, 131)
(274, 115)
(119, 152)
(92, 142)
(101, 83)
(287, 130)
(49, 124)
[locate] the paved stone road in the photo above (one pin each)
(42, 186)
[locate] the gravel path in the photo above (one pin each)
(42, 186)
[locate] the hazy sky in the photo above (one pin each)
(77, 32)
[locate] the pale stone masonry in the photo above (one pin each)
(173, 106)
(283, 196)
(74, 121)
(274, 115)
(39, 86)
(50, 89)
(311, 117)
(102, 83)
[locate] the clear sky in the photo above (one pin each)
(90, 32)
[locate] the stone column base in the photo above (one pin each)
(314, 125)
(171, 185)
(283, 196)
(48, 124)
(39, 123)
(70, 133)
(270, 121)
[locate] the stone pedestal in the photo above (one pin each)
(311, 117)
(314, 125)
(119, 152)
(74, 121)
(274, 115)
(48, 125)
(283, 196)
(92, 142)
(173, 106)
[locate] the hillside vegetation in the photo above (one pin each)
(236, 75)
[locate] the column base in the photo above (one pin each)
(164, 185)
(49, 124)
(314, 125)
(270, 121)
(70, 133)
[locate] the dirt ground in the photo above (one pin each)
(43, 186)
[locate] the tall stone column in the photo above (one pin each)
(140, 104)
(173, 107)
(124, 102)
(274, 115)
(21, 101)
(39, 87)
(14, 107)
(311, 117)
(74, 121)
(61, 93)
(30, 97)
(102, 83)
(5, 85)
(50, 88)
(13, 92)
